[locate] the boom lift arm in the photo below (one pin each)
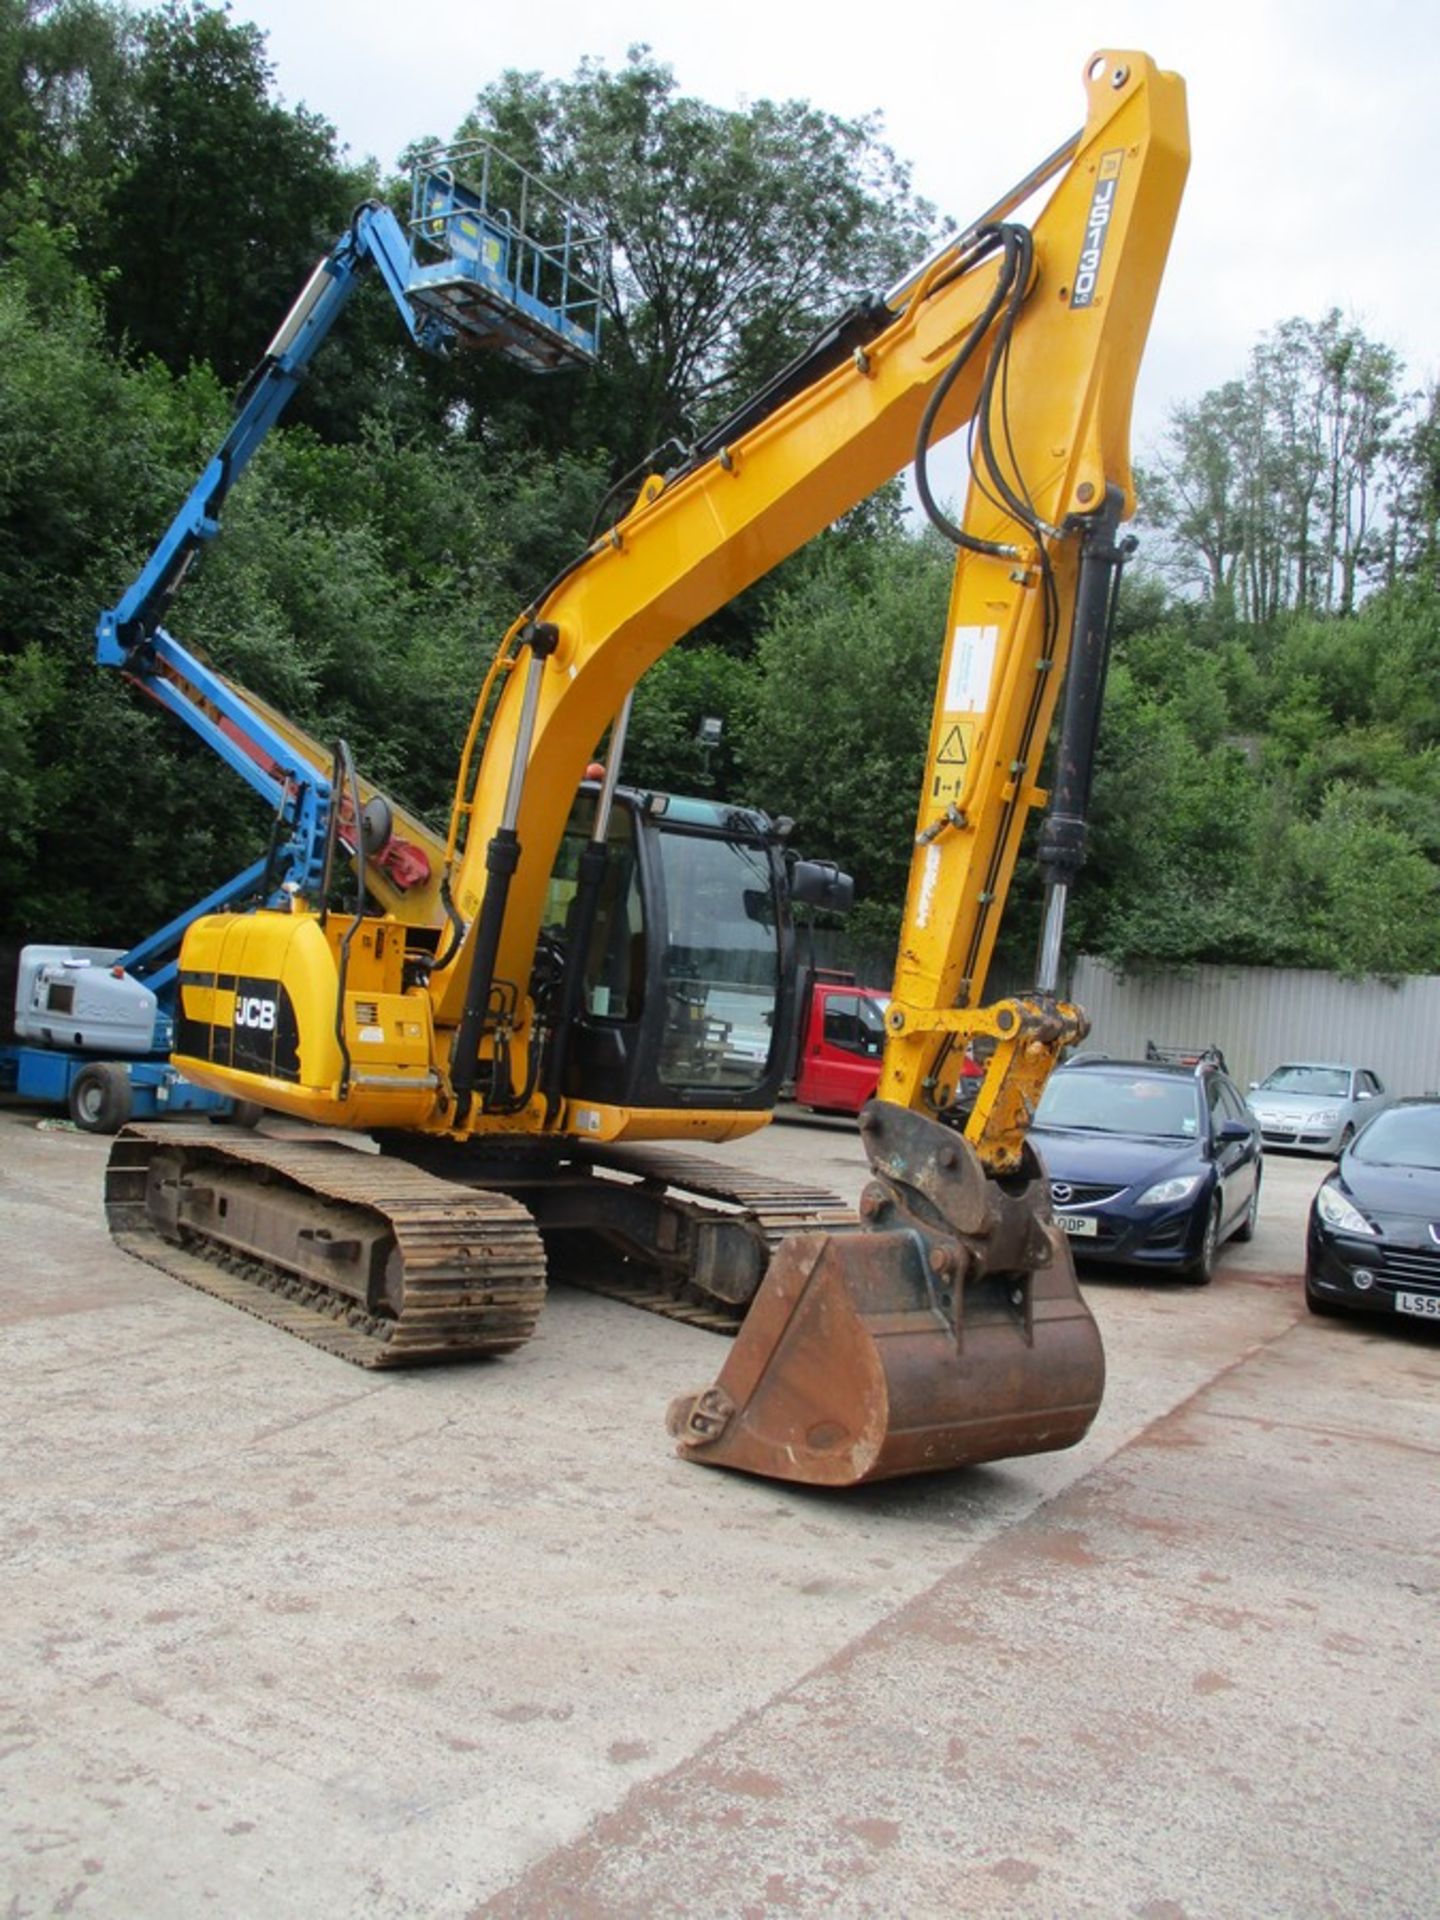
(466, 273)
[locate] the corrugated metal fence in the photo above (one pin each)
(1261, 1016)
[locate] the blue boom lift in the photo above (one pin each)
(492, 260)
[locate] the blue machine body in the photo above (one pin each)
(156, 1088)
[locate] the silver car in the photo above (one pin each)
(1316, 1105)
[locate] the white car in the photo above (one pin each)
(1315, 1105)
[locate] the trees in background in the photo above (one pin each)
(1280, 492)
(734, 233)
(1269, 786)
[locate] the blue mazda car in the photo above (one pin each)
(1150, 1165)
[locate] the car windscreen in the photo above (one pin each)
(1328, 1083)
(1402, 1137)
(1114, 1103)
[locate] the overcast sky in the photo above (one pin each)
(1313, 124)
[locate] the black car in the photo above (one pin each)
(1150, 1164)
(1373, 1243)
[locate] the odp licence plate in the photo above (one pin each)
(1086, 1225)
(1425, 1305)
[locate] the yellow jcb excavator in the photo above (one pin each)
(516, 1013)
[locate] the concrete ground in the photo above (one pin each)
(283, 1638)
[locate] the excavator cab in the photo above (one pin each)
(688, 992)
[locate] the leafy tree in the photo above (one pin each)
(221, 196)
(1418, 544)
(837, 733)
(65, 100)
(1274, 492)
(733, 234)
(695, 681)
(1368, 895)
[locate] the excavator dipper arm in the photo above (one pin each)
(950, 1329)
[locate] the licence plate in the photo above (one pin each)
(1084, 1224)
(1426, 1305)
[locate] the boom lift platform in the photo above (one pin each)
(518, 268)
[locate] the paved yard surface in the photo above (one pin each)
(280, 1638)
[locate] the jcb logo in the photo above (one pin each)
(257, 1014)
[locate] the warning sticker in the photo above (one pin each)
(947, 779)
(972, 664)
(955, 747)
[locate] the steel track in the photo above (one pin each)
(473, 1264)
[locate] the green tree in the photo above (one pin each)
(66, 100)
(837, 733)
(1368, 895)
(734, 234)
(1277, 492)
(221, 197)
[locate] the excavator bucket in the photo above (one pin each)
(945, 1330)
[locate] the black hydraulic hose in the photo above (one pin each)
(1019, 504)
(641, 467)
(457, 927)
(1013, 273)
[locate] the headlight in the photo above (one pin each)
(1326, 1117)
(1336, 1211)
(1166, 1192)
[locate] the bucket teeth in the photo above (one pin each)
(948, 1331)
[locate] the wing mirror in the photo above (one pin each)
(820, 883)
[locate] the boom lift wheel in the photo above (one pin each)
(100, 1100)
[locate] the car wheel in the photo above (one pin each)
(1202, 1271)
(1246, 1228)
(100, 1099)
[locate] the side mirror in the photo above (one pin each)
(1364, 1093)
(1254, 1087)
(820, 883)
(1233, 1130)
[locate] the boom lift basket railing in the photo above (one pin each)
(504, 260)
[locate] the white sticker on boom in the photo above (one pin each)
(929, 880)
(972, 663)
